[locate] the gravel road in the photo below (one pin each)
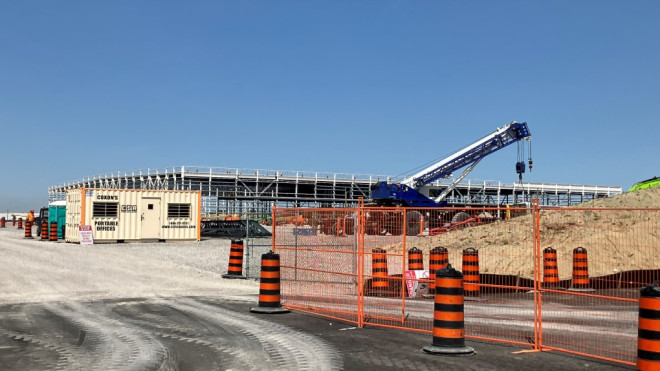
(165, 306)
(139, 306)
(33, 270)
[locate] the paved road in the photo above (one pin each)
(221, 333)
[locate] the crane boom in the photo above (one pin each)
(406, 193)
(499, 139)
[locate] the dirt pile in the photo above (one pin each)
(621, 233)
(643, 198)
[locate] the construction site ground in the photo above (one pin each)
(150, 306)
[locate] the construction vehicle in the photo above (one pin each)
(409, 192)
(413, 191)
(648, 183)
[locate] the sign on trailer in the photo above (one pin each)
(85, 232)
(124, 215)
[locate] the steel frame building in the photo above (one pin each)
(256, 191)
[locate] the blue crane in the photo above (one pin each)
(407, 193)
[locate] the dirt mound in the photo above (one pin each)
(621, 233)
(643, 198)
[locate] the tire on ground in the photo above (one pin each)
(460, 217)
(413, 219)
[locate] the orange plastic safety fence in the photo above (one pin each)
(353, 265)
(603, 258)
(318, 260)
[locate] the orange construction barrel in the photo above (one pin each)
(471, 271)
(438, 259)
(269, 285)
(550, 271)
(415, 259)
(53, 231)
(580, 271)
(448, 315)
(380, 282)
(44, 230)
(235, 268)
(648, 338)
(28, 229)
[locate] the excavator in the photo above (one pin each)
(648, 183)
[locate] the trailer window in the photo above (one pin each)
(178, 210)
(105, 209)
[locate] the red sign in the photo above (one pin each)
(416, 281)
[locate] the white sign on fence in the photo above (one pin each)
(417, 282)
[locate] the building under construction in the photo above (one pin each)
(233, 191)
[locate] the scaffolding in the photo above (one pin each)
(254, 192)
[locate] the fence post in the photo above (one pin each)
(538, 302)
(247, 245)
(360, 256)
(421, 225)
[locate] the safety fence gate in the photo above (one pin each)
(564, 279)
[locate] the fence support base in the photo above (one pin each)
(269, 310)
(449, 351)
(233, 276)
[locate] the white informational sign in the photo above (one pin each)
(417, 282)
(85, 235)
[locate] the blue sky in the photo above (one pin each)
(369, 87)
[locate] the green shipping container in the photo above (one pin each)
(57, 213)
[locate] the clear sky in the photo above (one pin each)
(368, 87)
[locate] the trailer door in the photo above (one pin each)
(150, 218)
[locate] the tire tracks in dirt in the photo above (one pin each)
(154, 334)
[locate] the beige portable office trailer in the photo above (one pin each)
(122, 215)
